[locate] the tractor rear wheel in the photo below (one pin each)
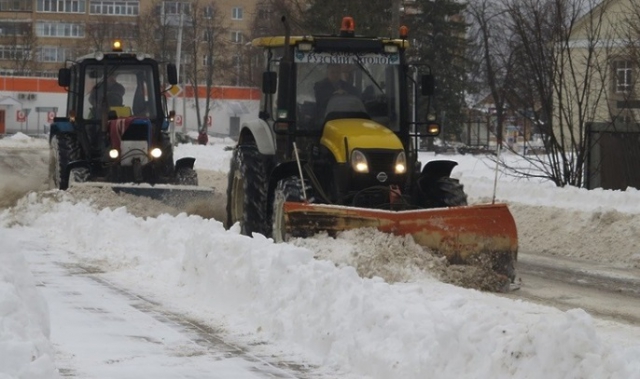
(64, 149)
(442, 192)
(247, 191)
(288, 189)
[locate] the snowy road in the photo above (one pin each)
(102, 330)
(607, 292)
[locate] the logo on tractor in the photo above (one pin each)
(346, 58)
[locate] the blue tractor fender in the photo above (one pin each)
(186, 162)
(60, 125)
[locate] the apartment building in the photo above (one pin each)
(37, 36)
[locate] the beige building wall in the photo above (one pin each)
(608, 73)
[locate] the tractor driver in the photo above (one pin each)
(115, 93)
(333, 84)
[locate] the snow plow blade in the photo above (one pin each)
(177, 196)
(482, 235)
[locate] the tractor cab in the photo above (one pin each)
(313, 80)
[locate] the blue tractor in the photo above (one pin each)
(116, 128)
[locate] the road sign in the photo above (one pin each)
(50, 116)
(175, 90)
(178, 120)
(21, 116)
(209, 121)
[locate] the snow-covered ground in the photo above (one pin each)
(279, 298)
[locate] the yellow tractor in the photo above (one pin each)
(334, 148)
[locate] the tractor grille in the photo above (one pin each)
(381, 161)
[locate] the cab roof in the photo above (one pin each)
(278, 41)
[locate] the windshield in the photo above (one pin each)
(129, 91)
(334, 85)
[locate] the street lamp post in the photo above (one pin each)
(178, 59)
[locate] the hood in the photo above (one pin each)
(344, 135)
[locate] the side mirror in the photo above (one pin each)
(269, 82)
(428, 85)
(64, 77)
(172, 74)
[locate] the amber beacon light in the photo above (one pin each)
(117, 46)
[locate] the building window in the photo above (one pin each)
(622, 76)
(53, 54)
(112, 30)
(236, 37)
(13, 52)
(208, 35)
(236, 13)
(115, 8)
(59, 29)
(174, 7)
(8, 28)
(15, 5)
(62, 6)
(264, 13)
(206, 60)
(208, 12)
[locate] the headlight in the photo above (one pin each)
(156, 153)
(359, 162)
(113, 153)
(401, 163)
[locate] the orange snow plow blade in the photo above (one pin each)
(483, 235)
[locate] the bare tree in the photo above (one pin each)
(494, 51)
(556, 67)
(205, 36)
(157, 32)
(101, 31)
(24, 44)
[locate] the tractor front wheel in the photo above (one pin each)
(64, 149)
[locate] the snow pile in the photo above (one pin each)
(25, 350)
(21, 140)
(281, 295)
